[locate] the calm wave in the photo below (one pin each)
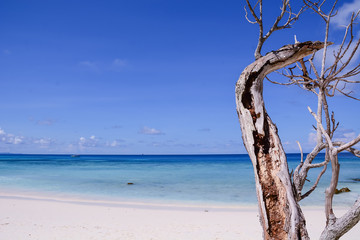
(218, 179)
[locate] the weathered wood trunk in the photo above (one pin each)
(280, 214)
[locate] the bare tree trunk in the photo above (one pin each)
(280, 214)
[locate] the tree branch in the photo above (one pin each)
(349, 144)
(339, 226)
(285, 8)
(354, 151)
(302, 169)
(315, 184)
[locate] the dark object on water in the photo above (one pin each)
(75, 155)
(342, 190)
(356, 179)
(130, 183)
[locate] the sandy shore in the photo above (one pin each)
(66, 219)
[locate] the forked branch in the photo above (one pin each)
(258, 19)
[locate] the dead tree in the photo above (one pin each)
(278, 194)
(325, 82)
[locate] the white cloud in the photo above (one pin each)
(330, 58)
(12, 139)
(17, 139)
(344, 13)
(9, 138)
(44, 142)
(89, 65)
(27, 142)
(344, 135)
(115, 143)
(119, 62)
(92, 141)
(47, 122)
(116, 65)
(342, 19)
(150, 131)
(312, 138)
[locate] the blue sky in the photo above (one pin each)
(134, 77)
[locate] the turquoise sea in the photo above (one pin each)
(186, 179)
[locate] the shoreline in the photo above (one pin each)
(105, 202)
(111, 201)
(45, 217)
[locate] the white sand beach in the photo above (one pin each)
(66, 219)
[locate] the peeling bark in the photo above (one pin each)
(280, 214)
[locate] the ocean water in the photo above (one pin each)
(187, 179)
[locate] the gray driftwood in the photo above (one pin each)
(280, 214)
